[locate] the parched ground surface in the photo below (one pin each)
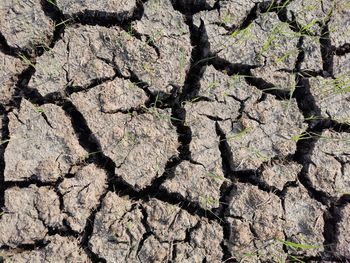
(175, 131)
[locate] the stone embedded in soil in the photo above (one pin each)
(304, 221)
(58, 249)
(197, 184)
(10, 68)
(342, 247)
(139, 144)
(40, 149)
(27, 214)
(256, 223)
(26, 25)
(332, 97)
(330, 167)
(81, 195)
(278, 172)
(123, 7)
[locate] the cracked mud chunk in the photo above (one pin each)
(205, 142)
(168, 222)
(264, 131)
(125, 231)
(124, 7)
(303, 221)
(59, 249)
(312, 54)
(340, 23)
(257, 221)
(26, 24)
(197, 184)
(118, 230)
(10, 67)
(27, 214)
(81, 195)
(166, 29)
(154, 251)
(120, 95)
(39, 148)
(204, 145)
(330, 167)
(218, 86)
(246, 248)
(139, 144)
(73, 61)
(341, 68)
(270, 42)
(204, 244)
(332, 96)
(310, 13)
(279, 172)
(231, 13)
(342, 247)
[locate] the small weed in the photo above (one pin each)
(155, 36)
(182, 63)
(52, 2)
(226, 17)
(214, 176)
(39, 110)
(148, 68)
(272, 41)
(297, 246)
(62, 22)
(296, 259)
(207, 202)
(304, 136)
(4, 141)
(130, 138)
(286, 55)
(154, 5)
(154, 111)
(26, 60)
(240, 134)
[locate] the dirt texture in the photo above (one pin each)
(175, 131)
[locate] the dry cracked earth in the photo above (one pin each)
(175, 131)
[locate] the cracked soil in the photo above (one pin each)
(175, 131)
